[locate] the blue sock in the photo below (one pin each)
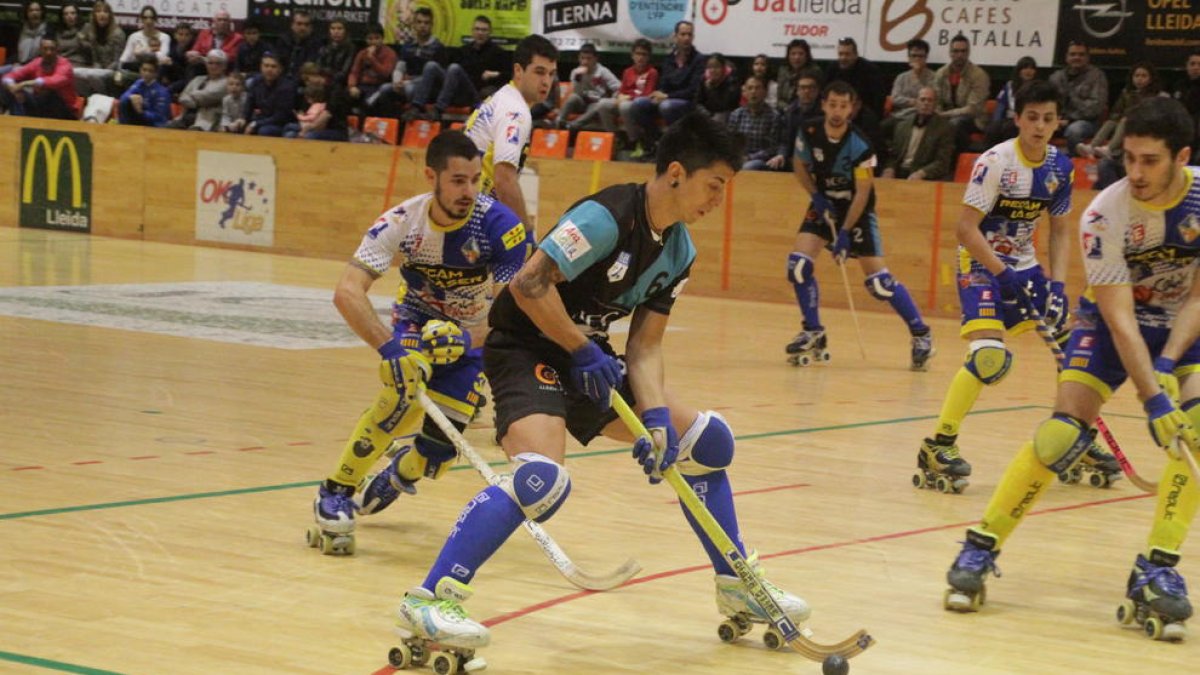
(482, 527)
(808, 294)
(883, 286)
(717, 494)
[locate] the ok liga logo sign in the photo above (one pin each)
(235, 198)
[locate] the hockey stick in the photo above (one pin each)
(841, 264)
(851, 646)
(568, 569)
(1044, 332)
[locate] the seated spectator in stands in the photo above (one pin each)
(338, 54)
(33, 29)
(805, 106)
(175, 73)
(234, 102)
(679, 81)
(760, 67)
(311, 118)
(545, 113)
(1003, 124)
(139, 42)
(909, 83)
(1143, 84)
(298, 46)
(69, 45)
(591, 83)
(859, 73)
(331, 125)
(1085, 95)
(372, 69)
(638, 80)
(761, 125)
(147, 102)
(44, 87)
(202, 98)
(252, 48)
(719, 94)
(269, 100)
(923, 143)
(220, 36)
(482, 68)
(799, 62)
(419, 73)
(962, 90)
(101, 42)
(1188, 93)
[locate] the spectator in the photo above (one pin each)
(591, 83)
(147, 102)
(719, 93)
(909, 83)
(1188, 93)
(251, 49)
(678, 83)
(313, 117)
(371, 69)
(33, 29)
(338, 54)
(203, 96)
(638, 80)
(760, 68)
(269, 100)
(1003, 124)
(804, 108)
(298, 46)
(70, 46)
(330, 125)
(799, 62)
(139, 42)
(43, 87)
(1107, 143)
(175, 73)
(220, 36)
(479, 71)
(234, 102)
(101, 41)
(861, 74)
(962, 89)
(760, 124)
(1085, 94)
(419, 71)
(923, 142)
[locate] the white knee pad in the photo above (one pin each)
(706, 446)
(538, 484)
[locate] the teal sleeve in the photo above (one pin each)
(585, 235)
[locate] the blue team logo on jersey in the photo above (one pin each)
(1091, 246)
(619, 267)
(1008, 179)
(470, 251)
(979, 174)
(1190, 228)
(513, 134)
(1051, 182)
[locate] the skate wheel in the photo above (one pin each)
(804, 360)
(1097, 480)
(957, 601)
(794, 360)
(943, 484)
(400, 657)
(918, 480)
(1126, 612)
(312, 536)
(773, 639)
(978, 599)
(959, 484)
(743, 623)
(1174, 632)
(445, 663)
(728, 631)
(1153, 628)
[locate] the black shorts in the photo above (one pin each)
(864, 236)
(524, 373)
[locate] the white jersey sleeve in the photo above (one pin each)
(383, 241)
(1103, 231)
(984, 186)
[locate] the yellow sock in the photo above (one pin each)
(1178, 498)
(367, 443)
(1018, 491)
(961, 397)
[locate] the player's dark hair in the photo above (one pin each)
(841, 88)
(919, 44)
(1023, 63)
(375, 29)
(1037, 91)
(1163, 118)
(531, 46)
(642, 43)
(449, 144)
(697, 141)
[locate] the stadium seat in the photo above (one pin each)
(418, 133)
(455, 126)
(176, 110)
(549, 143)
(962, 171)
(1083, 179)
(385, 129)
(594, 145)
(352, 121)
(3, 55)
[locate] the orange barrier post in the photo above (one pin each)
(387, 195)
(727, 239)
(935, 245)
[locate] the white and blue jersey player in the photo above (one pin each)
(624, 251)
(455, 245)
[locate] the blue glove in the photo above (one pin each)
(841, 245)
(440, 342)
(1012, 293)
(820, 205)
(1055, 313)
(1166, 421)
(662, 446)
(1164, 372)
(403, 369)
(595, 373)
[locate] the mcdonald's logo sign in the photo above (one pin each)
(56, 180)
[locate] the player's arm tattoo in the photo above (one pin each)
(537, 277)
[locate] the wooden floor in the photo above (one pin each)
(154, 491)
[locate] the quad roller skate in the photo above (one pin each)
(434, 629)
(1097, 468)
(967, 575)
(333, 510)
(922, 351)
(940, 467)
(1157, 597)
(809, 346)
(384, 487)
(742, 612)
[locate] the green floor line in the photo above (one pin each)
(467, 467)
(53, 665)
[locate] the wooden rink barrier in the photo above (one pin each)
(144, 187)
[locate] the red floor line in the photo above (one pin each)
(88, 461)
(145, 457)
(201, 452)
(253, 447)
(27, 468)
(295, 443)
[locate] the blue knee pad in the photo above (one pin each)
(881, 285)
(539, 485)
(707, 446)
(800, 268)
(989, 360)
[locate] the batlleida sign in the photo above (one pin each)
(56, 180)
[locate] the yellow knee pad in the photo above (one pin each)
(1060, 441)
(989, 360)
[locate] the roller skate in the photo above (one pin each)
(1157, 597)
(434, 628)
(384, 487)
(809, 346)
(333, 510)
(966, 577)
(742, 612)
(1097, 465)
(940, 467)
(922, 351)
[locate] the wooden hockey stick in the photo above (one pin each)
(796, 639)
(1044, 332)
(568, 569)
(841, 264)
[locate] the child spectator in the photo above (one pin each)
(312, 118)
(234, 101)
(147, 102)
(252, 48)
(1143, 84)
(760, 68)
(719, 94)
(1003, 124)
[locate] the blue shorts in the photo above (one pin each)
(1092, 357)
(864, 236)
(457, 387)
(979, 296)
